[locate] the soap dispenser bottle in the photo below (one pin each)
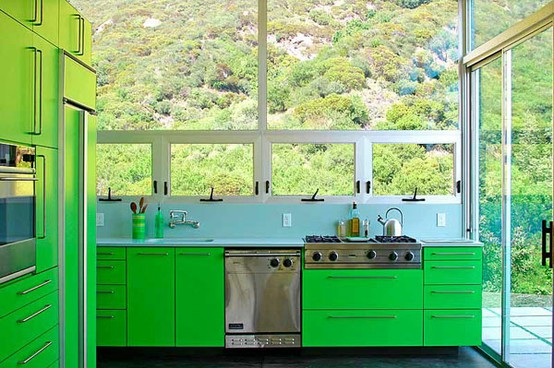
(354, 220)
(159, 223)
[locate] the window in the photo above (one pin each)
(125, 168)
(301, 169)
(228, 168)
(400, 169)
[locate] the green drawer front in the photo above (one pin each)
(362, 328)
(80, 83)
(452, 297)
(453, 272)
(362, 289)
(455, 327)
(111, 253)
(111, 328)
(40, 353)
(56, 364)
(452, 253)
(111, 272)
(26, 324)
(111, 297)
(16, 294)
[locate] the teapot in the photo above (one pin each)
(392, 227)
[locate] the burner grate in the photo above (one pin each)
(395, 239)
(322, 239)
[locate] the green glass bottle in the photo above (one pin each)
(159, 223)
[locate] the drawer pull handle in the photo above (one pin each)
(105, 292)
(452, 292)
(26, 319)
(363, 317)
(35, 354)
(105, 317)
(454, 267)
(153, 254)
(196, 254)
(106, 267)
(363, 277)
(455, 316)
(105, 254)
(34, 288)
(453, 253)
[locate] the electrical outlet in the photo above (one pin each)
(287, 220)
(441, 219)
(100, 219)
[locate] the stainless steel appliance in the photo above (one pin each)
(17, 211)
(262, 298)
(378, 252)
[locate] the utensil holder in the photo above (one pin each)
(139, 226)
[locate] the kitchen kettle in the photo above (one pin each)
(392, 227)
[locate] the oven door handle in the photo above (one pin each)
(18, 179)
(253, 254)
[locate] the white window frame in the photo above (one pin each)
(262, 138)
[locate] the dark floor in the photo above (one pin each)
(466, 358)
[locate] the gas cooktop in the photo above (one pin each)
(377, 239)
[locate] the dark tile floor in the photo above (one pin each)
(466, 358)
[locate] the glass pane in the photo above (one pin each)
(398, 169)
(492, 17)
(301, 169)
(358, 65)
(126, 168)
(228, 168)
(530, 201)
(175, 64)
(489, 81)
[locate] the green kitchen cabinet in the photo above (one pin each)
(47, 208)
(75, 33)
(111, 272)
(27, 12)
(453, 272)
(362, 289)
(453, 253)
(111, 253)
(111, 296)
(151, 297)
(79, 83)
(452, 327)
(357, 328)
(452, 296)
(111, 328)
(199, 297)
(41, 352)
(39, 15)
(44, 127)
(17, 72)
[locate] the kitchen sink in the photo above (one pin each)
(170, 241)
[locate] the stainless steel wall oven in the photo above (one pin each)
(17, 211)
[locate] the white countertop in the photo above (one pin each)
(201, 242)
(453, 242)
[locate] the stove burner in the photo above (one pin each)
(394, 239)
(322, 239)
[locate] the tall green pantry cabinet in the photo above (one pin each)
(47, 100)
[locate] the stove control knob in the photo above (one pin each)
(274, 262)
(317, 256)
(333, 256)
(287, 262)
(393, 256)
(409, 256)
(371, 254)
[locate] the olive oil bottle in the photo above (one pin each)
(354, 220)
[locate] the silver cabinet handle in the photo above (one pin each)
(35, 354)
(364, 277)
(105, 253)
(106, 267)
(207, 254)
(37, 93)
(452, 292)
(105, 292)
(364, 317)
(455, 316)
(453, 253)
(18, 179)
(26, 319)
(105, 317)
(34, 288)
(152, 254)
(454, 267)
(43, 196)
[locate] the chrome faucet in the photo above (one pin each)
(179, 217)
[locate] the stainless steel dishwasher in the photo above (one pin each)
(262, 298)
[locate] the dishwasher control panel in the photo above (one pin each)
(263, 341)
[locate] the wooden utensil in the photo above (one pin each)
(134, 207)
(144, 208)
(141, 204)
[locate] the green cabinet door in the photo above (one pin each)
(452, 327)
(80, 83)
(47, 208)
(17, 73)
(151, 296)
(47, 22)
(112, 328)
(41, 352)
(25, 11)
(46, 94)
(453, 272)
(75, 33)
(199, 297)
